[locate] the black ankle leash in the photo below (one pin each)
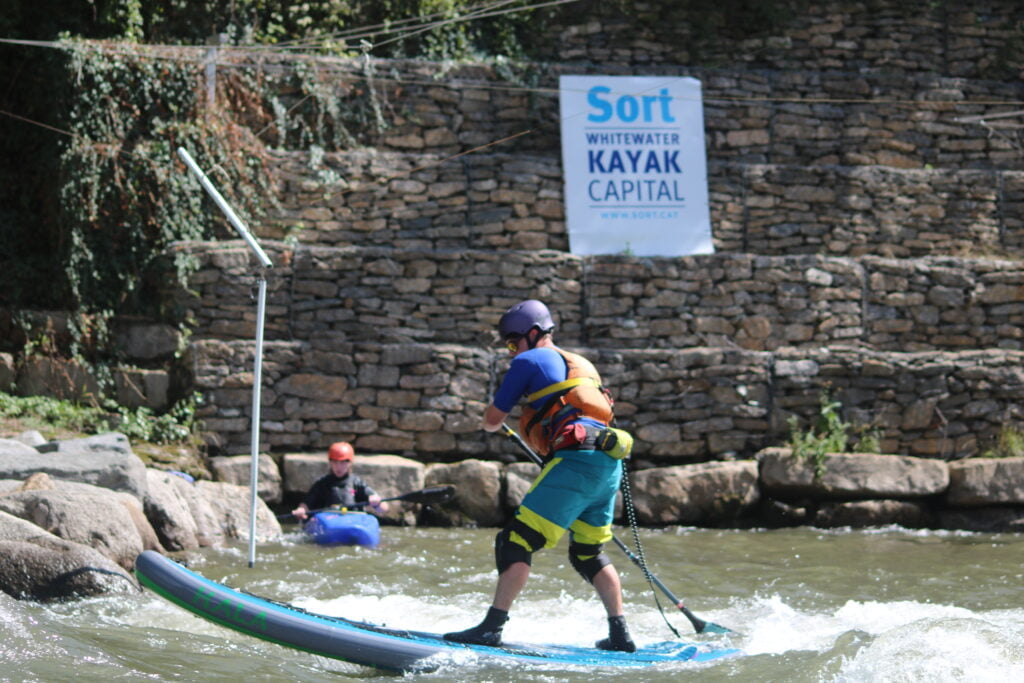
(627, 500)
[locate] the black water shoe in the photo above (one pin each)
(487, 632)
(618, 636)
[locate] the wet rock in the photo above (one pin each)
(985, 519)
(167, 509)
(35, 564)
(869, 513)
(111, 522)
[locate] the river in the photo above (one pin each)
(806, 605)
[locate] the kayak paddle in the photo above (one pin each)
(699, 625)
(436, 494)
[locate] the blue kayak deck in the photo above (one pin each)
(338, 527)
(368, 644)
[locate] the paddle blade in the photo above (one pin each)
(437, 494)
(710, 627)
(701, 626)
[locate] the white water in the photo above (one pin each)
(891, 605)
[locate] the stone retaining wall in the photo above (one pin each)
(964, 39)
(754, 302)
(692, 405)
(802, 118)
(409, 201)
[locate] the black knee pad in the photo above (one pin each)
(507, 552)
(594, 562)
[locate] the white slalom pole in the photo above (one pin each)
(261, 305)
(228, 211)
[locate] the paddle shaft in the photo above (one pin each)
(438, 494)
(699, 625)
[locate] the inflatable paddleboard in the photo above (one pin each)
(368, 644)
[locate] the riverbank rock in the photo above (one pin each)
(986, 481)
(477, 492)
(393, 475)
(851, 476)
(301, 470)
(707, 493)
(222, 513)
(111, 522)
(237, 469)
(104, 460)
(36, 565)
(985, 519)
(168, 511)
(519, 478)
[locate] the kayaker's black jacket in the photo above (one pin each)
(345, 491)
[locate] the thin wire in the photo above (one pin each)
(481, 85)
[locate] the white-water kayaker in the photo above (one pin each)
(340, 487)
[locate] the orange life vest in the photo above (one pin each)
(579, 395)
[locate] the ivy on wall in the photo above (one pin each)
(124, 196)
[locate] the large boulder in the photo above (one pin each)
(301, 470)
(477, 497)
(519, 478)
(167, 509)
(393, 475)
(35, 564)
(237, 469)
(222, 514)
(706, 493)
(851, 476)
(204, 513)
(105, 460)
(111, 522)
(986, 481)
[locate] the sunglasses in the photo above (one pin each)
(512, 343)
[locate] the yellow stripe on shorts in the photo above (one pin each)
(587, 534)
(551, 531)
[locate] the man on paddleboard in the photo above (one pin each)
(340, 487)
(566, 418)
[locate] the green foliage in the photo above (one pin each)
(1009, 443)
(829, 434)
(124, 195)
(176, 426)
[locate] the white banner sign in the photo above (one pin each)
(634, 165)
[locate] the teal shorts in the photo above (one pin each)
(574, 492)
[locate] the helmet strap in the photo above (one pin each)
(531, 341)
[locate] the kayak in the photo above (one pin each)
(343, 527)
(372, 645)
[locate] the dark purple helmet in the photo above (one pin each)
(523, 317)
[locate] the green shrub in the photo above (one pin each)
(1009, 443)
(830, 434)
(176, 426)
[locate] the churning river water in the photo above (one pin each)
(806, 605)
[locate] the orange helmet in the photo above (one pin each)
(341, 451)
